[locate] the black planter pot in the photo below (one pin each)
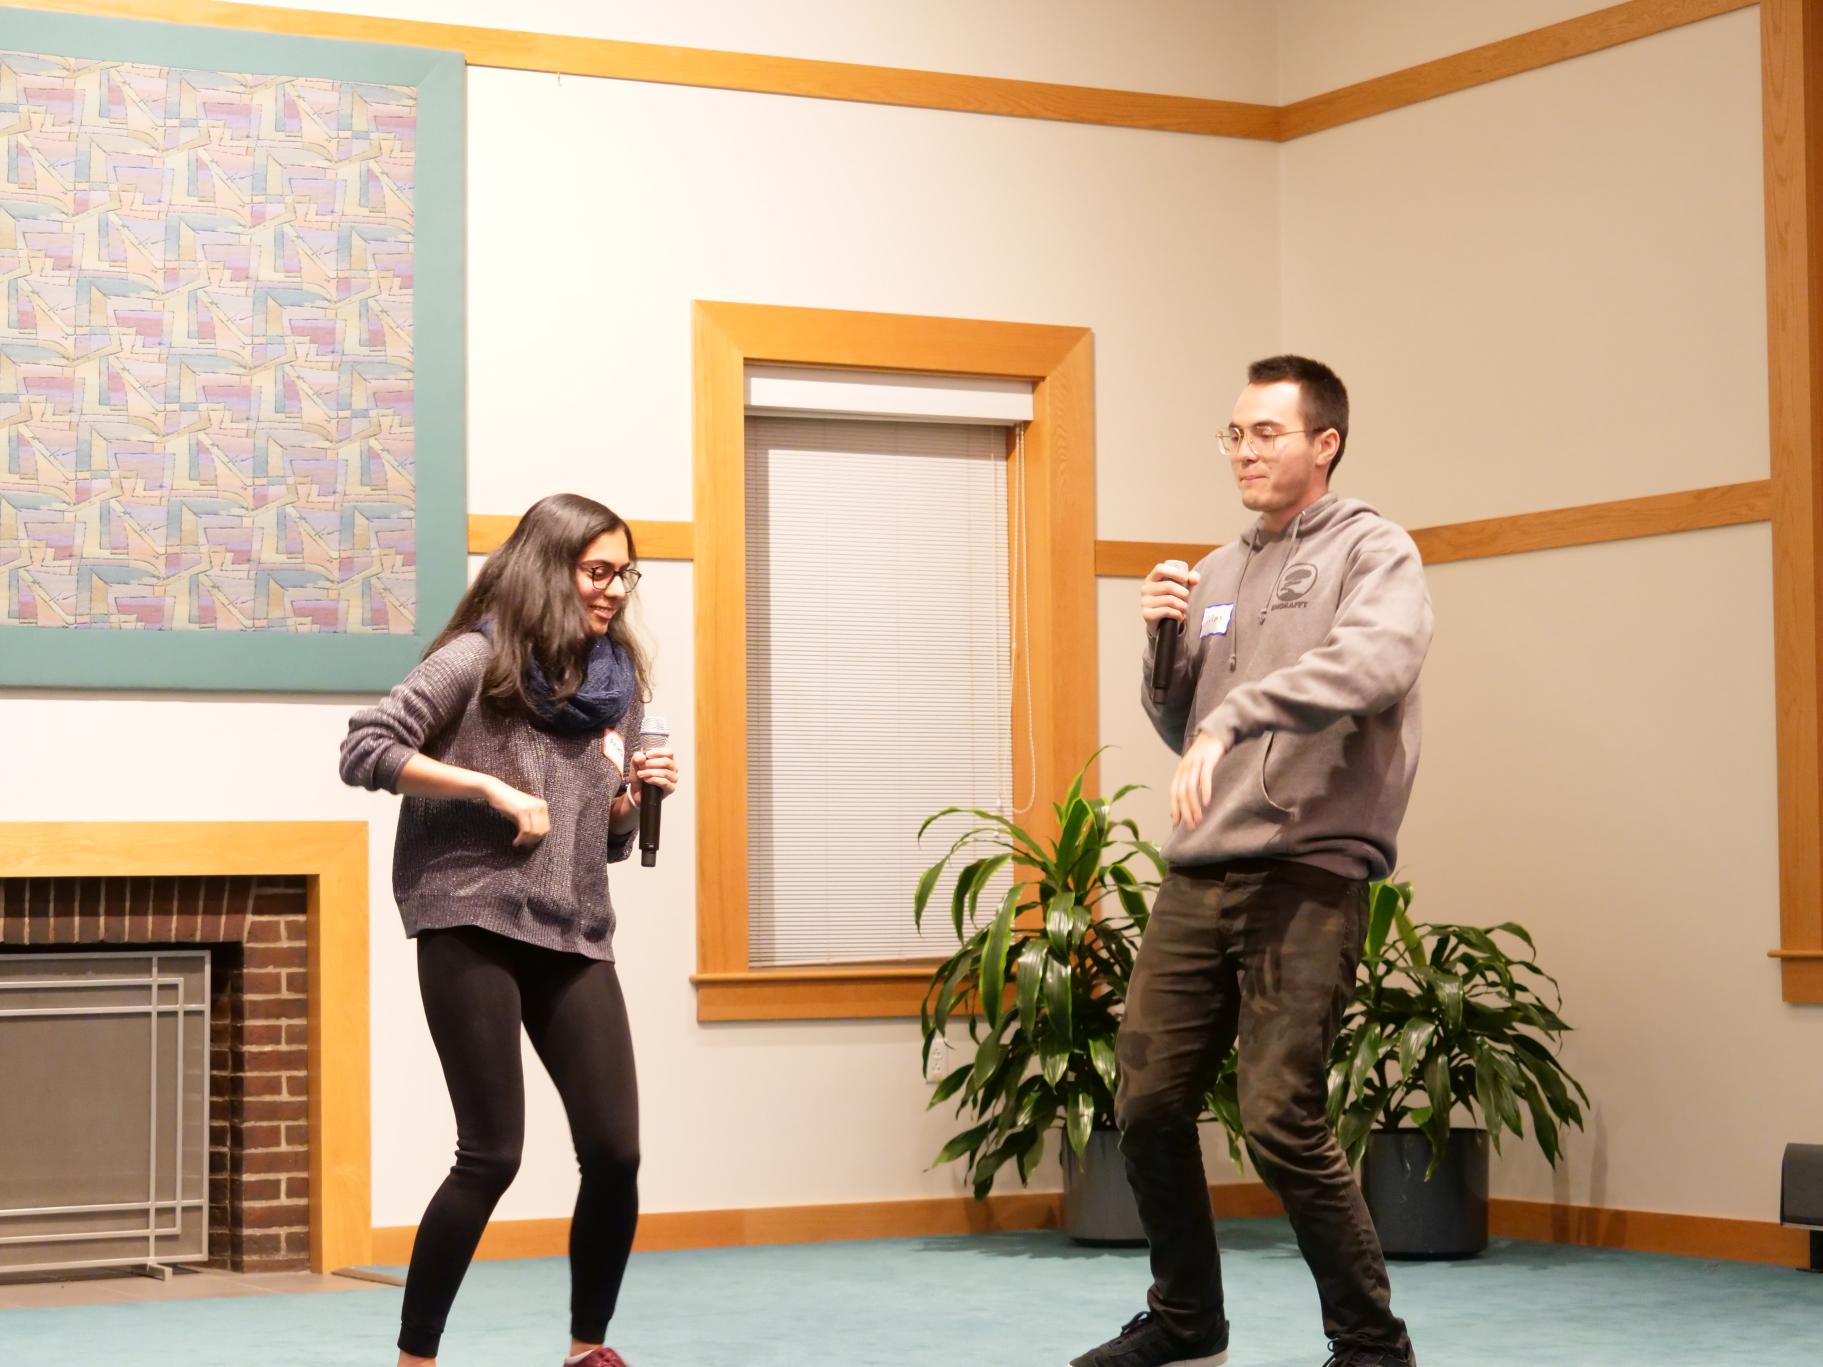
(1446, 1217)
(1098, 1205)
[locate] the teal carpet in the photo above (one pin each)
(997, 1301)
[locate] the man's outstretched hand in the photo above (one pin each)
(1193, 786)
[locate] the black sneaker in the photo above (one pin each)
(1357, 1355)
(1143, 1342)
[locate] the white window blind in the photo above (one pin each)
(878, 674)
(813, 391)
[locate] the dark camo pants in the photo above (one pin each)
(1268, 949)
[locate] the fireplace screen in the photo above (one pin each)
(104, 1110)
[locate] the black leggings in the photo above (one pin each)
(478, 988)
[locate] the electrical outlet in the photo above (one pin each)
(939, 1060)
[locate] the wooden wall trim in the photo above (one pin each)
(664, 1231)
(1802, 979)
(1792, 500)
(655, 540)
(500, 1241)
(1725, 505)
(516, 50)
(1697, 1236)
(892, 341)
(332, 855)
(1792, 63)
(856, 994)
(1649, 1231)
(760, 1226)
(1689, 510)
(1135, 559)
(513, 49)
(1496, 61)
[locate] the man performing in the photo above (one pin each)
(1293, 700)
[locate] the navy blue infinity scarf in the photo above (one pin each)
(606, 692)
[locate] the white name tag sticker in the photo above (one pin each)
(614, 746)
(1216, 618)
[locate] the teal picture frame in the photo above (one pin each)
(316, 661)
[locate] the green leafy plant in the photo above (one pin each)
(1448, 1016)
(1042, 981)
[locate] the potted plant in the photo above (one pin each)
(1445, 1018)
(1040, 978)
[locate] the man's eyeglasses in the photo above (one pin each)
(600, 575)
(1259, 440)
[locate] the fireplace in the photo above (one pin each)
(281, 908)
(259, 1074)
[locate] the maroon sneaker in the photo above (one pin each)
(603, 1357)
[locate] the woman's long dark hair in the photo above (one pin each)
(527, 593)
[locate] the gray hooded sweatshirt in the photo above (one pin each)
(1301, 655)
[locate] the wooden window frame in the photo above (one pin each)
(1060, 552)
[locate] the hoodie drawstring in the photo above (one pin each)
(1234, 620)
(1297, 532)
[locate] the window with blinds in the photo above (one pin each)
(879, 682)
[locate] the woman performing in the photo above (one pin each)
(514, 745)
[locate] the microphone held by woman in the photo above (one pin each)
(652, 734)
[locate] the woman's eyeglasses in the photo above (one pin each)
(600, 575)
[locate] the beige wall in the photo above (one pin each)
(1599, 765)
(1589, 234)
(718, 195)
(728, 196)
(1544, 292)
(579, 375)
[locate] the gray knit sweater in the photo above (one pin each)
(454, 863)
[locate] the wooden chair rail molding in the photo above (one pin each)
(1725, 505)
(654, 540)
(513, 49)
(897, 990)
(332, 855)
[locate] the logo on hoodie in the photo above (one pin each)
(1295, 586)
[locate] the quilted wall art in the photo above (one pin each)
(231, 443)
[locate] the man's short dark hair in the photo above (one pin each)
(1321, 395)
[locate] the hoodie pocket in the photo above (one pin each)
(1272, 738)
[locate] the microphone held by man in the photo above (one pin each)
(1165, 600)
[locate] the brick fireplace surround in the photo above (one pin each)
(259, 1060)
(282, 907)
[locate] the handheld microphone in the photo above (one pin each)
(1164, 650)
(652, 732)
